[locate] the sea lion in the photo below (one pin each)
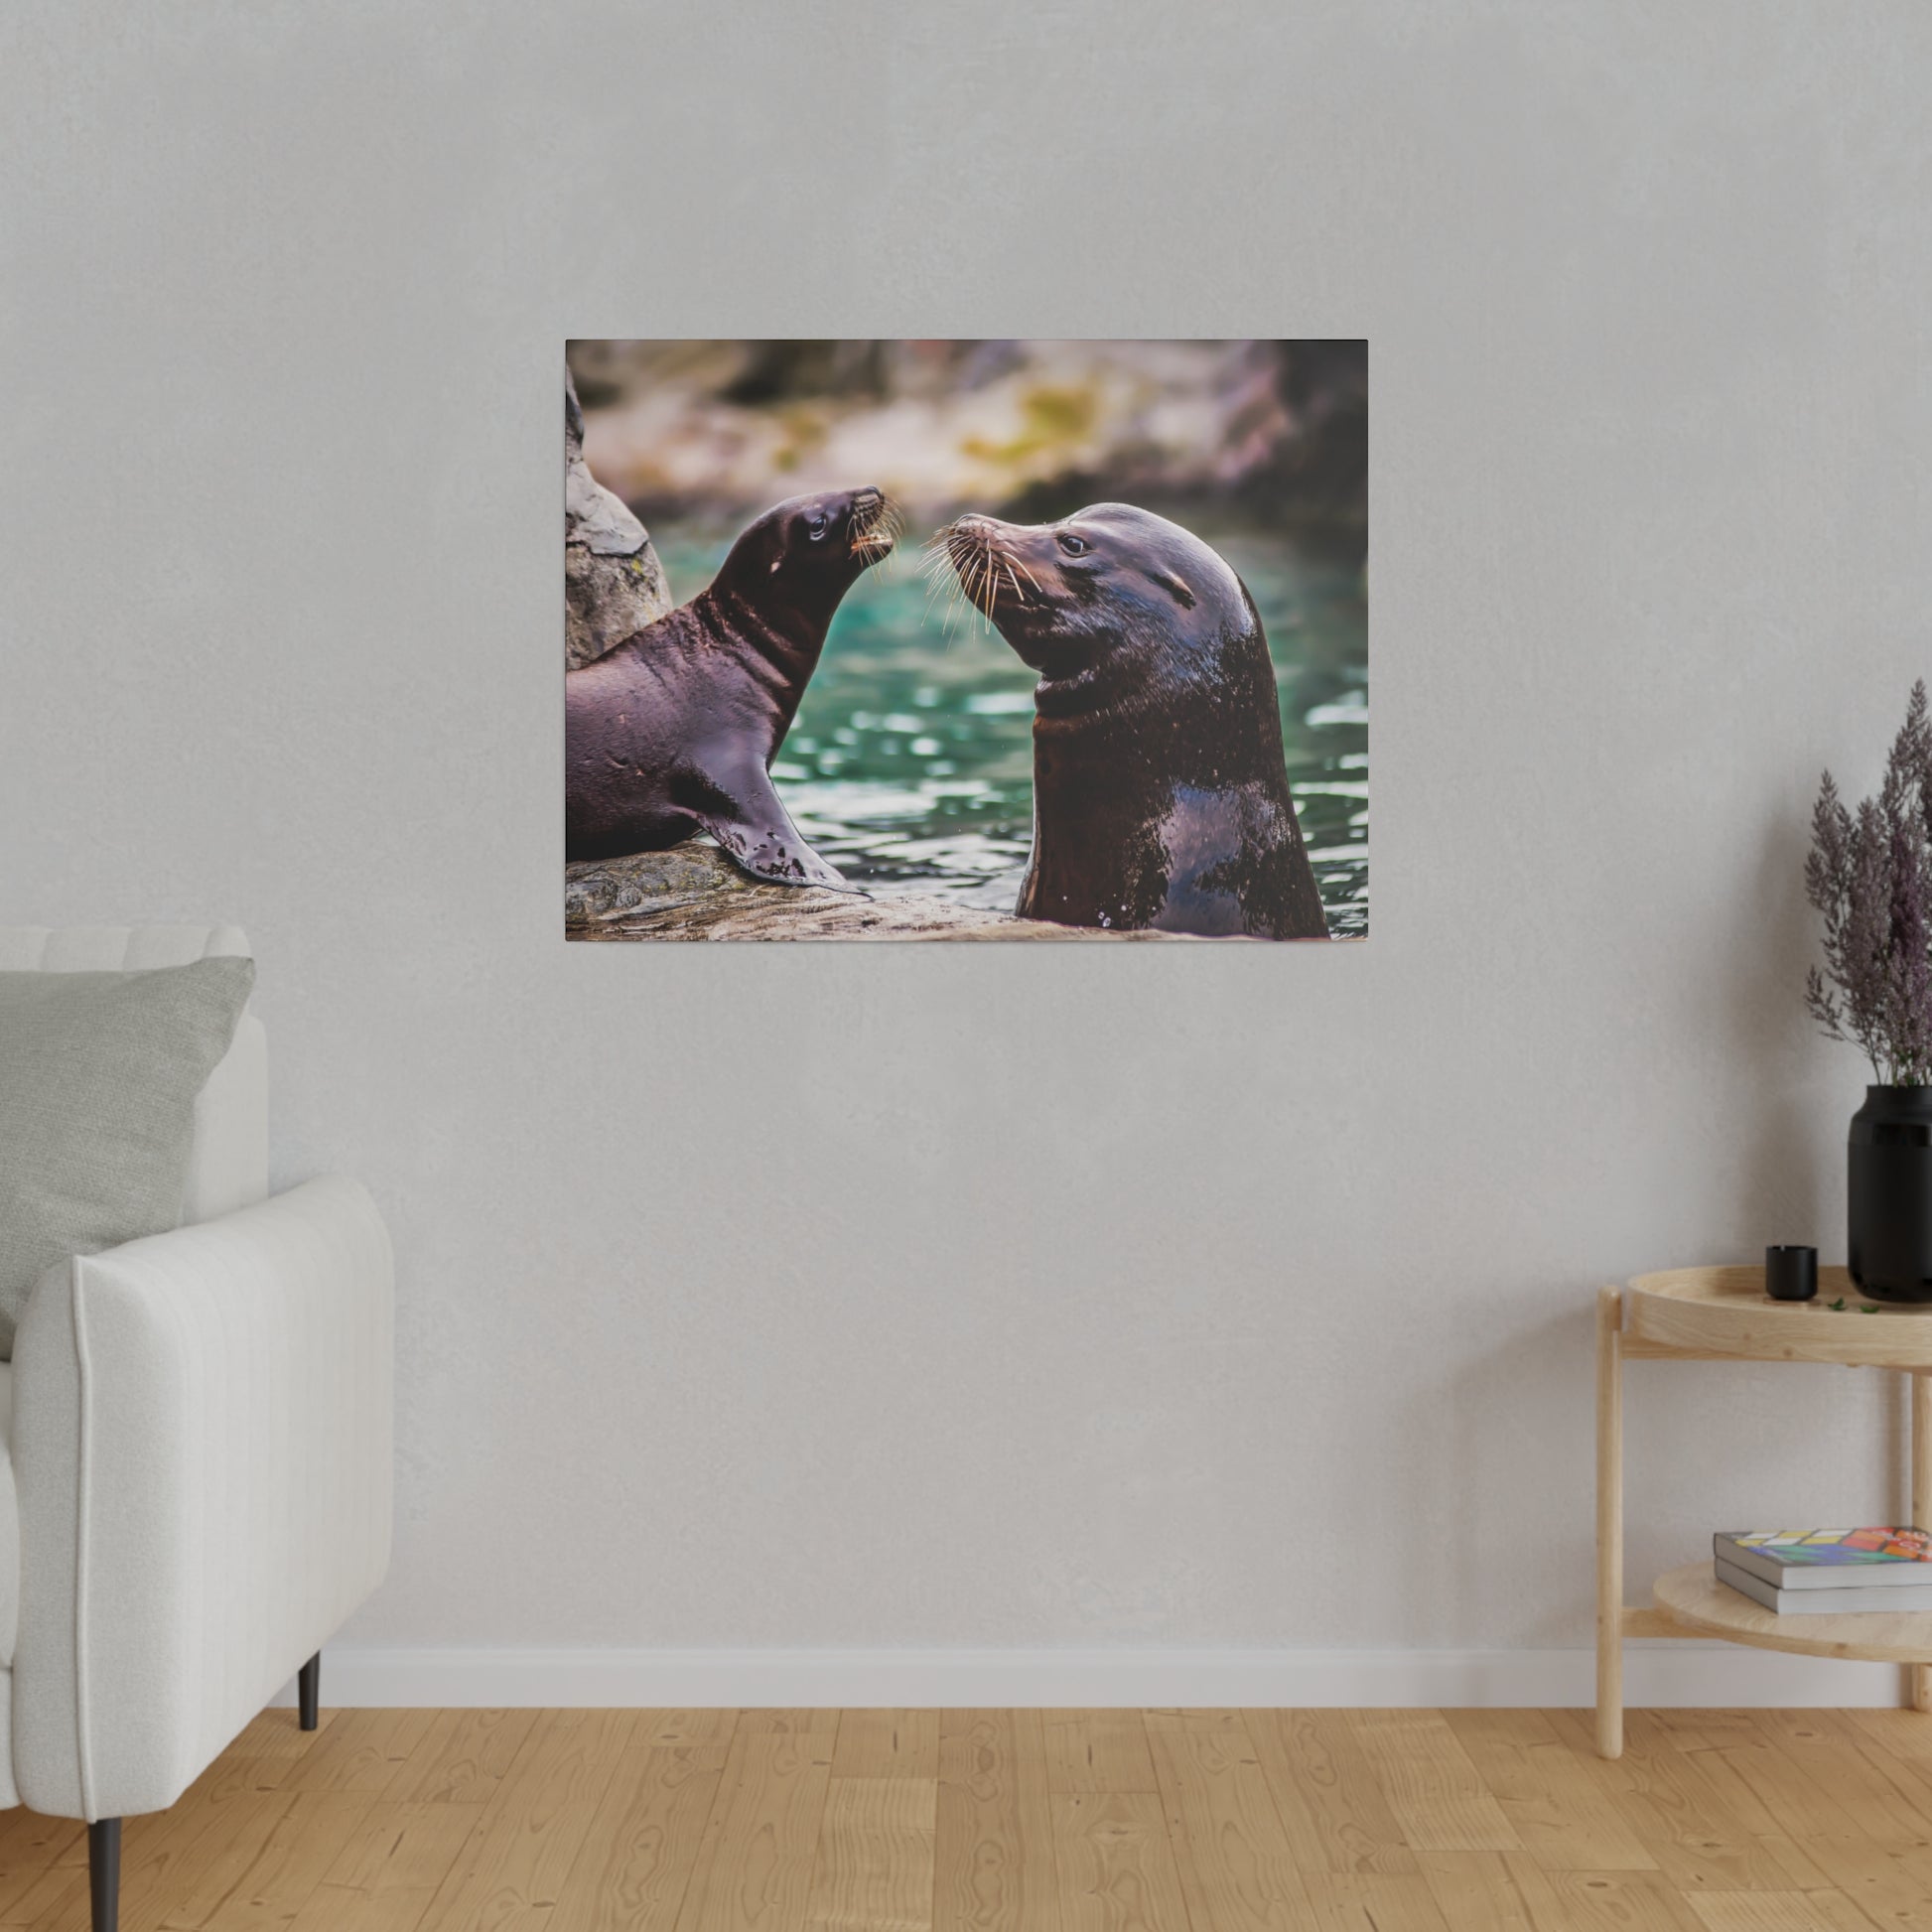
(1159, 790)
(674, 730)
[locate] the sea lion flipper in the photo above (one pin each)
(741, 811)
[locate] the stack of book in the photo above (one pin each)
(1828, 1572)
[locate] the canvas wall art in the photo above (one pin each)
(985, 639)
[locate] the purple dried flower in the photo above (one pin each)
(1909, 977)
(1870, 878)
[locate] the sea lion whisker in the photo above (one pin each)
(985, 581)
(938, 561)
(968, 577)
(935, 588)
(949, 611)
(934, 567)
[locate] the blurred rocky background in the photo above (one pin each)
(697, 430)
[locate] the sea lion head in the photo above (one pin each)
(1105, 600)
(808, 551)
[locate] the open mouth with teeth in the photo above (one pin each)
(877, 526)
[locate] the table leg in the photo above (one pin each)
(1609, 1523)
(1921, 1384)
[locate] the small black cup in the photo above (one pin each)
(1791, 1274)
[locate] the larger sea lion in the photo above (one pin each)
(1159, 790)
(674, 730)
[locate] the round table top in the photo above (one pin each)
(1694, 1597)
(1725, 1312)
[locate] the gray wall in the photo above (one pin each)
(981, 1296)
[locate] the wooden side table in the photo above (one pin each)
(1706, 1314)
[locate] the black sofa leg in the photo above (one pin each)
(104, 1872)
(104, 1838)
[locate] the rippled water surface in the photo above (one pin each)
(910, 763)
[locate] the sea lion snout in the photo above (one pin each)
(1003, 570)
(974, 532)
(871, 523)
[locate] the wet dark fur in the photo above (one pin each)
(674, 730)
(1159, 790)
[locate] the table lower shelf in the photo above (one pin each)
(1695, 1601)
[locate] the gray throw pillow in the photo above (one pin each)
(98, 1074)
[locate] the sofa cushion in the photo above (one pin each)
(99, 1077)
(229, 1168)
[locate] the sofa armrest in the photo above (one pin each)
(203, 1450)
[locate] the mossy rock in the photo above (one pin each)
(693, 892)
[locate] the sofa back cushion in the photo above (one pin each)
(99, 1073)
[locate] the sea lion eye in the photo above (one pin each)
(815, 525)
(1073, 546)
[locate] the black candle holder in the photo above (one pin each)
(1791, 1274)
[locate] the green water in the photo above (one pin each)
(910, 763)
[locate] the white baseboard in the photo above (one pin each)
(1665, 1674)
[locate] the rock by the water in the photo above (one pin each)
(693, 892)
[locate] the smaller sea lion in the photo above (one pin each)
(674, 730)
(1159, 790)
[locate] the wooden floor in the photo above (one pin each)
(1027, 1821)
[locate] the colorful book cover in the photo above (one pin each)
(1822, 1549)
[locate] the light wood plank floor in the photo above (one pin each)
(1023, 1821)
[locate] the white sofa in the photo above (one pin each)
(199, 1461)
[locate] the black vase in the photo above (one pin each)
(1891, 1194)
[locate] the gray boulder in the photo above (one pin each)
(612, 582)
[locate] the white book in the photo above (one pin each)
(1895, 1598)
